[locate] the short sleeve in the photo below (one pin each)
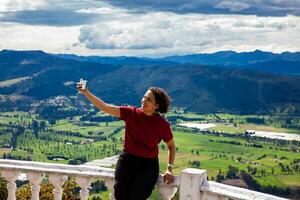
(125, 112)
(167, 134)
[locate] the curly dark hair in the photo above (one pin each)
(161, 98)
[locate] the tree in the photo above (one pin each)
(239, 159)
(98, 186)
(35, 127)
(220, 176)
(70, 191)
(282, 167)
(232, 172)
(20, 130)
(251, 170)
(42, 125)
(96, 198)
(250, 181)
(46, 191)
(263, 172)
(3, 188)
(195, 163)
(52, 121)
(24, 192)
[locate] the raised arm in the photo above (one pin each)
(100, 104)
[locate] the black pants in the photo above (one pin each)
(135, 177)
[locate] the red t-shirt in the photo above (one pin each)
(143, 133)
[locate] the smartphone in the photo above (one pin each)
(83, 84)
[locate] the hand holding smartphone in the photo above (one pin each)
(82, 84)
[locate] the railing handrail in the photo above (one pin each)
(191, 181)
(235, 192)
(65, 169)
(83, 170)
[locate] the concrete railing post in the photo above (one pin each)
(109, 183)
(84, 183)
(11, 176)
(190, 181)
(57, 181)
(35, 180)
(167, 191)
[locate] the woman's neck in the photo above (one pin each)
(149, 113)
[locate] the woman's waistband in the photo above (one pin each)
(125, 153)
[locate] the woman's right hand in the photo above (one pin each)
(79, 88)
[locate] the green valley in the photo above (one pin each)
(219, 150)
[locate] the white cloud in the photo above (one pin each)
(152, 31)
(128, 36)
(25, 5)
(101, 10)
(168, 33)
(17, 5)
(27, 37)
(232, 6)
(278, 23)
(119, 32)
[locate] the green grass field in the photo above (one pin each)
(214, 156)
(208, 149)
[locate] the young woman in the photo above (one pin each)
(137, 168)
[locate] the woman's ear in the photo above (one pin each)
(156, 106)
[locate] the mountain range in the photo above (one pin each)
(253, 82)
(284, 63)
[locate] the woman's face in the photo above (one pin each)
(148, 103)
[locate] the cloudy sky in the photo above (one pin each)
(152, 28)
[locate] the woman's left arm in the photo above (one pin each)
(168, 176)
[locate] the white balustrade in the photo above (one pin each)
(109, 183)
(11, 176)
(167, 191)
(58, 173)
(191, 179)
(57, 181)
(192, 183)
(35, 180)
(219, 191)
(84, 183)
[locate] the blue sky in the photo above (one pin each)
(149, 28)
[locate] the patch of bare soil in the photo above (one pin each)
(235, 182)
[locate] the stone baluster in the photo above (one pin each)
(11, 176)
(35, 180)
(167, 191)
(58, 181)
(190, 181)
(109, 183)
(84, 183)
